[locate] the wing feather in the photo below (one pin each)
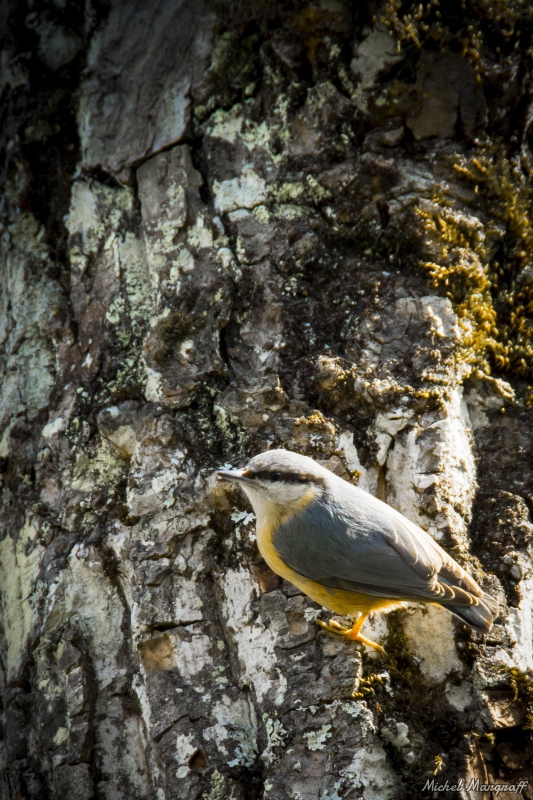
(350, 540)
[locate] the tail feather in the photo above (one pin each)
(480, 617)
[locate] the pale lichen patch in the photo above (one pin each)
(276, 735)
(20, 563)
(430, 633)
(255, 643)
(460, 696)
(316, 740)
(104, 468)
(246, 191)
(370, 772)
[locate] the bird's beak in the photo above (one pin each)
(234, 475)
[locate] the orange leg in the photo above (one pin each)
(351, 633)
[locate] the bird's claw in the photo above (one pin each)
(370, 643)
(351, 633)
(334, 627)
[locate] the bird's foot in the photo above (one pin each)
(334, 627)
(369, 643)
(351, 633)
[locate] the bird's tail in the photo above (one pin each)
(481, 616)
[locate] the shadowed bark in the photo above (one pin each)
(227, 227)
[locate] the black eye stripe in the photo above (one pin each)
(277, 475)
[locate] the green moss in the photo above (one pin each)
(232, 74)
(402, 666)
(170, 330)
(470, 23)
(409, 701)
(522, 685)
(484, 269)
(368, 684)
(492, 293)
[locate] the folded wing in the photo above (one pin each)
(355, 542)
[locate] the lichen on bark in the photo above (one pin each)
(231, 227)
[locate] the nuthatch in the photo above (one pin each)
(347, 550)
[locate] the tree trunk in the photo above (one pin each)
(235, 227)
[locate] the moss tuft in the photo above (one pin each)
(171, 330)
(469, 24)
(491, 287)
(522, 686)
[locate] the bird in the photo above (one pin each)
(348, 551)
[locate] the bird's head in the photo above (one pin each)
(279, 479)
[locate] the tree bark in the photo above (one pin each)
(227, 228)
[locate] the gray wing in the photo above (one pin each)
(354, 542)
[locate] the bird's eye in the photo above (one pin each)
(275, 476)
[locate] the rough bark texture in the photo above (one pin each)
(227, 228)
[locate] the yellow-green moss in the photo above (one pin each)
(493, 296)
(368, 684)
(522, 686)
(416, 23)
